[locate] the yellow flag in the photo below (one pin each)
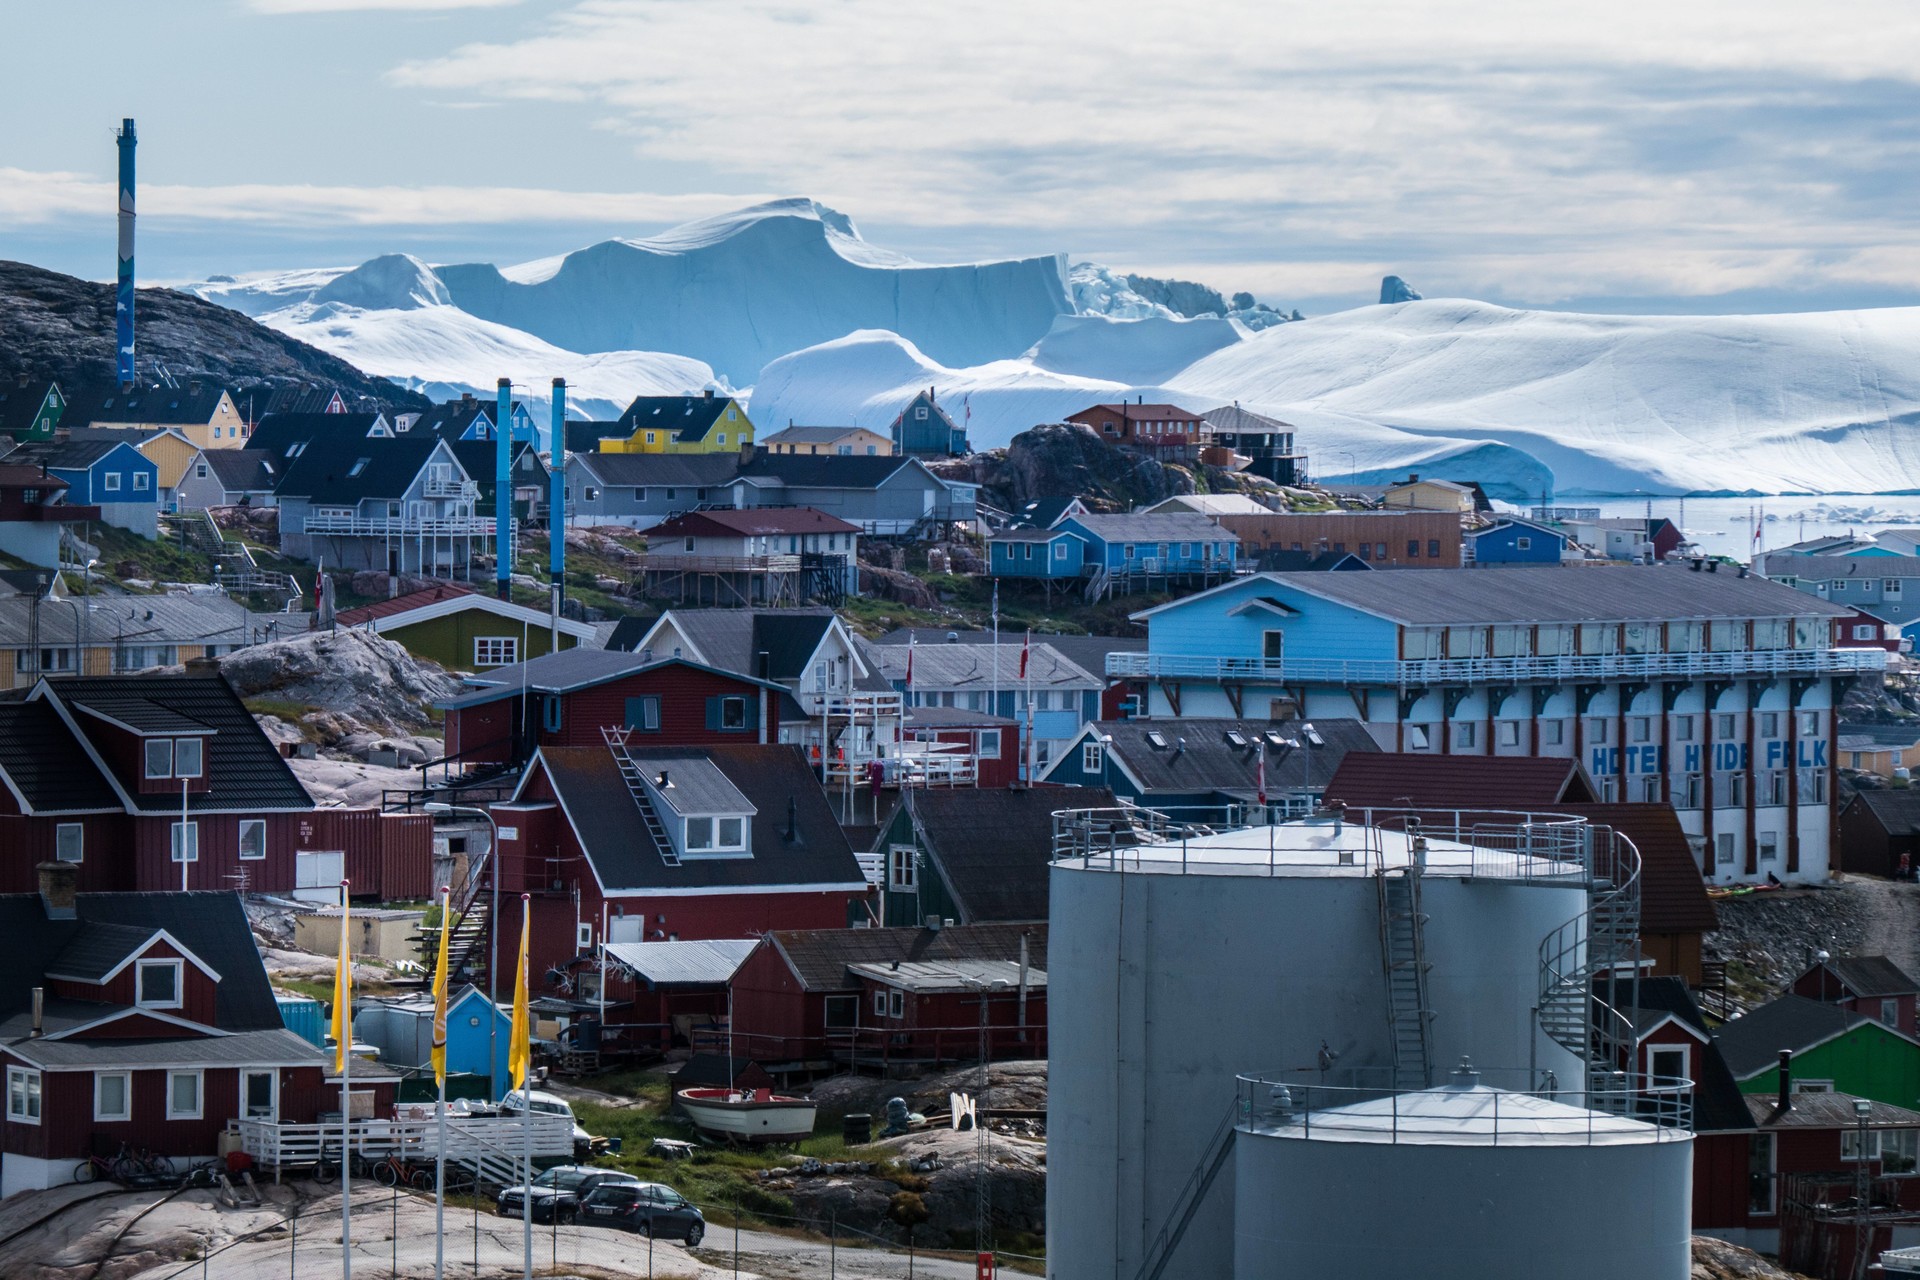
(520, 1041)
(439, 1054)
(343, 988)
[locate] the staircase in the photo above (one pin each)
(467, 956)
(234, 567)
(1404, 962)
(630, 769)
(1098, 585)
(1587, 970)
(1188, 1202)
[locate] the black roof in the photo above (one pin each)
(820, 956)
(1282, 561)
(993, 847)
(277, 432)
(256, 402)
(1210, 761)
(731, 639)
(602, 810)
(824, 471)
(1871, 976)
(1042, 513)
(191, 402)
(628, 632)
(212, 925)
(1752, 1042)
(46, 765)
(1897, 810)
(324, 470)
(19, 405)
(97, 949)
(72, 454)
(245, 469)
(1718, 1103)
(585, 437)
(246, 770)
(1827, 1110)
(450, 419)
(664, 470)
(688, 417)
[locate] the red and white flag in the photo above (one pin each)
(909, 664)
(1260, 777)
(1026, 645)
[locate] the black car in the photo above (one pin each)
(558, 1191)
(646, 1207)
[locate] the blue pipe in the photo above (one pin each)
(123, 296)
(557, 501)
(503, 491)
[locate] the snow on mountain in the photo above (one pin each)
(441, 351)
(734, 291)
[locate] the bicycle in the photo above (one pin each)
(392, 1171)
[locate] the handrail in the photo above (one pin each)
(1387, 671)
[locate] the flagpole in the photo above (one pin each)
(343, 1054)
(440, 981)
(1026, 669)
(520, 1066)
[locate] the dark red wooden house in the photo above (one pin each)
(1872, 986)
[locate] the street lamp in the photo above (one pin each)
(438, 808)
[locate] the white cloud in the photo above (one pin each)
(355, 6)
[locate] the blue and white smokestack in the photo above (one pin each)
(503, 491)
(123, 299)
(557, 504)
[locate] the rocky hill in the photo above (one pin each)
(1057, 458)
(61, 327)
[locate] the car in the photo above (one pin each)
(647, 1207)
(551, 1105)
(557, 1192)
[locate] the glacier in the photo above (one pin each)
(786, 298)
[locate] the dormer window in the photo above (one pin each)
(157, 984)
(175, 757)
(716, 835)
(159, 757)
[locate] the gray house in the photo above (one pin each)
(884, 496)
(229, 478)
(397, 505)
(1883, 586)
(640, 490)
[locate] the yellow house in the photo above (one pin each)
(201, 412)
(705, 423)
(1878, 748)
(845, 442)
(1429, 495)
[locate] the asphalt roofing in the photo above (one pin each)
(821, 957)
(274, 433)
(825, 471)
(660, 470)
(1718, 1104)
(1167, 526)
(688, 417)
(47, 765)
(564, 672)
(1872, 976)
(1089, 652)
(1185, 755)
(97, 949)
(730, 638)
(1522, 593)
(341, 470)
(1896, 810)
(194, 402)
(993, 846)
(1673, 896)
(1752, 1042)
(691, 784)
(751, 522)
(244, 1048)
(1826, 1110)
(1418, 780)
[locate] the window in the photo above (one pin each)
(140, 481)
(69, 842)
(1433, 548)
(583, 935)
(1690, 792)
(1760, 1174)
(1597, 731)
(1418, 738)
(1413, 548)
(1723, 726)
(253, 839)
(644, 713)
(1553, 732)
(1810, 723)
(592, 494)
(1866, 631)
(157, 984)
(359, 465)
(1059, 551)
(495, 651)
(896, 1004)
(1272, 644)
(1898, 1147)
(159, 757)
(842, 1012)
(1640, 728)
(1839, 586)
(1769, 846)
(1666, 1065)
(903, 862)
(1650, 789)
(879, 1004)
(187, 757)
(1509, 733)
(1523, 544)
(1736, 788)
(1890, 1013)
(721, 439)
(183, 1095)
(733, 713)
(650, 437)
(23, 1095)
(920, 414)
(186, 842)
(110, 482)
(1090, 758)
(1683, 728)
(1723, 848)
(990, 744)
(1463, 735)
(112, 1095)
(260, 1094)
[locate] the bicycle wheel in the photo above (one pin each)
(385, 1174)
(161, 1167)
(125, 1169)
(421, 1180)
(86, 1171)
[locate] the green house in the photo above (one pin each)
(1835, 1050)
(464, 631)
(31, 410)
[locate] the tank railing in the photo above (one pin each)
(1297, 1104)
(1585, 963)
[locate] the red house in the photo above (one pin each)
(1146, 426)
(989, 744)
(808, 999)
(1872, 986)
(141, 1019)
(646, 844)
(163, 782)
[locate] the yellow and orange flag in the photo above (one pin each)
(520, 1042)
(438, 1056)
(343, 988)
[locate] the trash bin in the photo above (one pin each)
(857, 1129)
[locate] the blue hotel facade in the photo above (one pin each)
(1713, 691)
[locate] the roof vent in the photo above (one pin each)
(933, 924)
(1179, 746)
(662, 781)
(1463, 1076)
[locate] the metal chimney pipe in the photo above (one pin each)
(1784, 1102)
(557, 505)
(39, 1011)
(123, 294)
(503, 490)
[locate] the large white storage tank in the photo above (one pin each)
(1460, 1182)
(1175, 967)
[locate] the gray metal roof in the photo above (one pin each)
(567, 670)
(245, 1048)
(1525, 594)
(664, 470)
(944, 976)
(1086, 651)
(1198, 755)
(1170, 526)
(1832, 568)
(694, 785)
(138, 620)
(1752, 1042)
(980, 666)
(663, 964)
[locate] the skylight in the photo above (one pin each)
(1237, 738)
(359, 466)
(1157, 739)
(1274, 739)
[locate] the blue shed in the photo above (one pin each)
(301, 1015)
(1036, 553)
(402, 1032)
(1515, 542)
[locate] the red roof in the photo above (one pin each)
(401, 604)
(1415, 780)
(1146, 412)
(22, 475)
(752, 522)
(1673, 897)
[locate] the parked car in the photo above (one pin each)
(646, 1207)
(552, 1105)
(558, 1191)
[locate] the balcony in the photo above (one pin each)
(1481, 671)
(676, 562)
(399, 526)
(450, 489)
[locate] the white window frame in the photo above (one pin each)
(100, 1114)
(1686, 1067)
(181, 747)
(1507, 733)
(110, 481)
(1090, 758)
(583, 935)
(189, 834)
(486, 651)
(989, 744)
(273, 1105)
(140, 970)
(78, 832)
(252, 824)
(148, 756)
(896, 1004)
(199, 1095)
(879, 1003)
(903, 868)
(24, 1099)
(140, 479)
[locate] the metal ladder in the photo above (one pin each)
(1587, 969)
(616, 739)
(1403, 960)
(1191, 1196)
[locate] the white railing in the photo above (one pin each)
(864, 707)
(677, 562)
(400, 526)
(488, 1144)
(450, 489)
(872, 865)
(1613, 666)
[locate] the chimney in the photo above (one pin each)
(23, 378)
(57, 886)
(707, 394)
(763, 664)
(793, 819)
(39, 1011)
(933, 924)
(1413, 477)
(1784, 1102)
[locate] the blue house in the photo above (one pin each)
(925, 430)
(402, 1032)
(1174, 544)
(1036, 553)
(108, 473)
(471, 418)
(1515, 542)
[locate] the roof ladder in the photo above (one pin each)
(1404, 962)
(616, 738)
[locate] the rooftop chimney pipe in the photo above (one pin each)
(39, 1011)
(1785, 1101)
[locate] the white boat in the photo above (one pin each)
(748, 1115)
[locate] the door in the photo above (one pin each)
(317, 874)
(260, 1095)
(1271, 644)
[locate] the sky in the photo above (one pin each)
(1702, 156)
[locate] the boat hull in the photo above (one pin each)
(748, 1117)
